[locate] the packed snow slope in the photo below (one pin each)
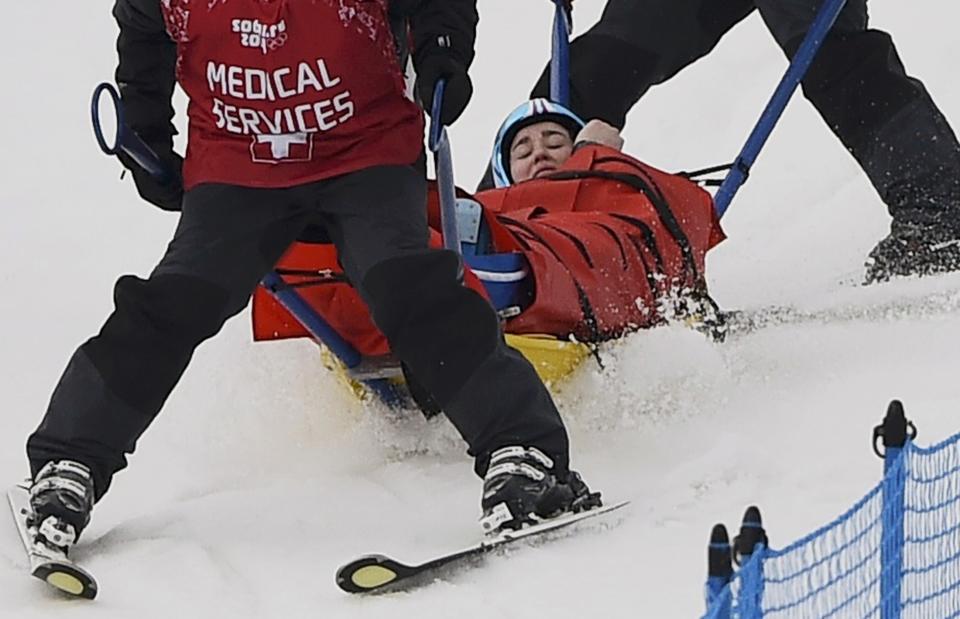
(262, 475)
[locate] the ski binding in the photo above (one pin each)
(50, 565)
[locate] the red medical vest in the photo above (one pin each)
(285, 92)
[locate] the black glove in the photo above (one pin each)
(167, 195)
(434, 63)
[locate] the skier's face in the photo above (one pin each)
(539, 149)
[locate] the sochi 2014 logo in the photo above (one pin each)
(254, 33)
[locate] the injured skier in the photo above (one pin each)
(578, 239)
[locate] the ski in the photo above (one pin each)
(372, 573)
(48, 564)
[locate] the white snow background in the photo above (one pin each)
(261, 476)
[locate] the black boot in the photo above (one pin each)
(913, 160)
(521, 487)
(61, 499)
(914, 249)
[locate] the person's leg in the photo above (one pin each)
(637, 44)
(116, 382)
(888, 121)
(447, 334)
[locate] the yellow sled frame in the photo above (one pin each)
(552, 358)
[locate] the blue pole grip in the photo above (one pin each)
(826, 17)
(125, 140)
(443, 162)
(436, 106)
(560, 56)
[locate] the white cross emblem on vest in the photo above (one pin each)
(280, 143)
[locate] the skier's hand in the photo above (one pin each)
(438, 62)
(598, 132)
(168, 195)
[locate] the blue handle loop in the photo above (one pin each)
(127, 141)
(108, 88)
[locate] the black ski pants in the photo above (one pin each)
(857, 83)
(227, 240)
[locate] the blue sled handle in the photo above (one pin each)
(560, 54)
(826, 17)
(443, 162)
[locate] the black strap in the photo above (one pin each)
(581, 248)
(705, 171)
(648, 188)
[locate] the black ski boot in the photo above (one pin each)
(914, 249)
(61, 499)
(522, 488)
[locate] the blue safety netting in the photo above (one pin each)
(895, 554)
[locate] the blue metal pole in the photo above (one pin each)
(826, 17)
(323, 333)
(318, 328)
(560, 56)
(443, 162)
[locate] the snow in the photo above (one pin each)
(262, 475)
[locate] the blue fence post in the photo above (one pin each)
(821, 26)
(750, 596)
(719, 572)
(894, 431)
(749, 547)
(891, 543)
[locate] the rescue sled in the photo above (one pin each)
(541, 269)
(620, 243)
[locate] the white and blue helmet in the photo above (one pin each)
(528, 113)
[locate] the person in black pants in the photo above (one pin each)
(245, 194)
(885, 118)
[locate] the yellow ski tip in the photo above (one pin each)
(65, 582)
(372, 576)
